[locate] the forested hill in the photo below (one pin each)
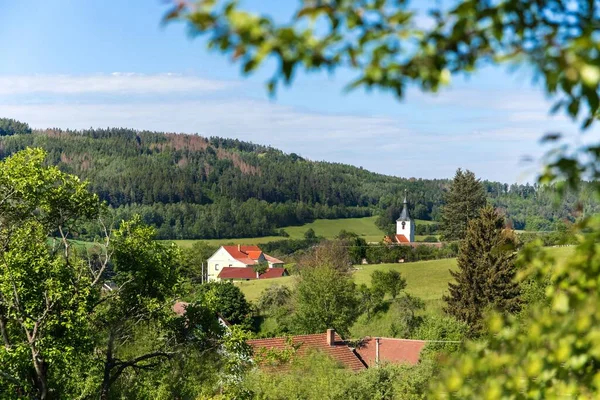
(194, 187)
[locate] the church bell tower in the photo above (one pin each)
(405, 224)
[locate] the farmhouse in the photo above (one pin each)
(238, 262)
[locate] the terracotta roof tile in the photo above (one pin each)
(237, 273)
(273, 273)
(248, 273)
(339, 351)
(390, 350)
(254, 255)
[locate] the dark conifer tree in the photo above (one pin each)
(486, 271)
(463, 202)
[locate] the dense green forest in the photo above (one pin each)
(191, 187)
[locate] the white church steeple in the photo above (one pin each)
(405, 224)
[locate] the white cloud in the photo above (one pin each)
(115, 83)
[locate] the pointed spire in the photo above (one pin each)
(404, 214)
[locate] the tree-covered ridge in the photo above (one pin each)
(188, 186)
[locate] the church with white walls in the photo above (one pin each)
(405, 225)
(405, 228)
(405, 231)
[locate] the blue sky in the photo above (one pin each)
(80, 64)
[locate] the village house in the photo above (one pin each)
(374, 351)
(238, 262)
(367, 353)
(329, 343)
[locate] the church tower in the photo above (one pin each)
(405, 224)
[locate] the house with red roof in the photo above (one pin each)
(367, 353)
(237, 262)
(329, 343)
(377, 350)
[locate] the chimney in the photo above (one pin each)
(330, 337)
(377, 351)
(239, 247)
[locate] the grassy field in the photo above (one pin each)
(427, 280)
(328, 228)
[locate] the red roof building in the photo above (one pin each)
(329, 343)
(373, 351)
(237, 262)
(248, 273)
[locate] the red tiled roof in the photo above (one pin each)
(237, 273)
(339, 351)
(390, 350)
(249, 273)
(249, 254)
(402, 239)
(254, 255)
(273, 273)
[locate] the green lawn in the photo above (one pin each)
(427, 280)
(328, 228)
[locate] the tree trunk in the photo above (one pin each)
(40, 371)
(108, 364)
(3, 332)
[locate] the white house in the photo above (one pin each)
(236, 262)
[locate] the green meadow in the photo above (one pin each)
(327, 228)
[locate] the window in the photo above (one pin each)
(403, 224)
(216, 267)
(230, 265)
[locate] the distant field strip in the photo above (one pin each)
(328, 228)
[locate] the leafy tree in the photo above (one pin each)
(194, 258)
(273, 297)
(324, 298)
(261, 267)
(228, 300)
(145, 273)
(381, 41)
(486, 272)
(332, 253)
(369, 299)
(310, 234)
(45, 292)
(407, 307)
(389, 282)
(554, 354)
(463, 202)
(357, 246)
